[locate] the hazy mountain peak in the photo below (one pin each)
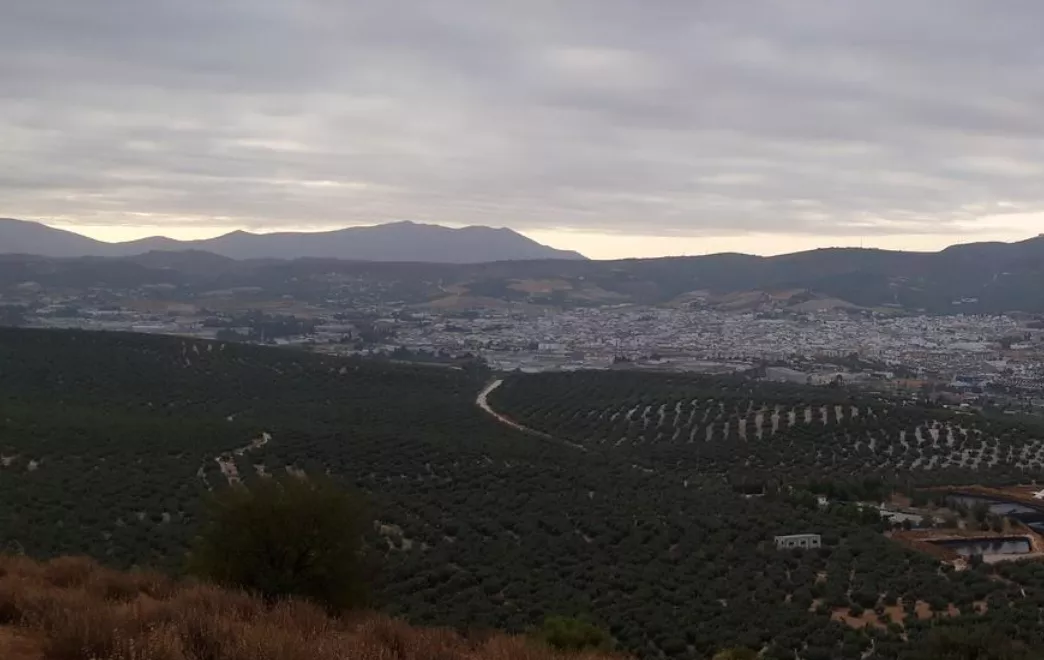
(398, 241)
(24, 237)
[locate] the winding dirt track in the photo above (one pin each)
(482, 401)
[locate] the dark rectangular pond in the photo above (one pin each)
(1010, 545)
(997, 507)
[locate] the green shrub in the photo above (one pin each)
(285, 537)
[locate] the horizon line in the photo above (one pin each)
(568, 239)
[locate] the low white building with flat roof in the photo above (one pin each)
(803, 541)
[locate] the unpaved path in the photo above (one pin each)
(482, 401)
(227, 462)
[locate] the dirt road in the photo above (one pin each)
(482, 401)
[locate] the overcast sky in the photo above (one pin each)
(610, 126)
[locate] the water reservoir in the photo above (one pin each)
(1010, 545)
(997, 507)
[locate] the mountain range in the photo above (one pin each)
(975, 278)
(398, 241)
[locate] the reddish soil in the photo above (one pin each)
(15, 645)
(868, 618)
(922, 610)
(900, 500)
(895, 614)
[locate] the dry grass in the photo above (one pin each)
(73, 609)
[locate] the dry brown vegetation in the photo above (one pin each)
(74, 609)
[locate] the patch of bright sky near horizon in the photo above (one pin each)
(621, 246)
(614, 127)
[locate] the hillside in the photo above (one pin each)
(109, 440)
(399, 241)
(972, 279)
(71, 608)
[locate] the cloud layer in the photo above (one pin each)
(675, 117)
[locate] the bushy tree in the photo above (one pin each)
(285, 537)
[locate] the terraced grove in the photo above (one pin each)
(617, 511)
(683, 422)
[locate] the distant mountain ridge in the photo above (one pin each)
(976, 278)
(400, 241)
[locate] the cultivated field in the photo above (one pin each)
(719, 424)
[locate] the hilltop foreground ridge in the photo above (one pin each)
(71, 607)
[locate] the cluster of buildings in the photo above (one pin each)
(967, 355)
(814, 347)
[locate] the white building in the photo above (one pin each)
(804, 541)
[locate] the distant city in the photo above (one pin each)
(972, 360)
(937, 327)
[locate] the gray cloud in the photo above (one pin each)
(673, 117)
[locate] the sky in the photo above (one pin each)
(613, 127)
